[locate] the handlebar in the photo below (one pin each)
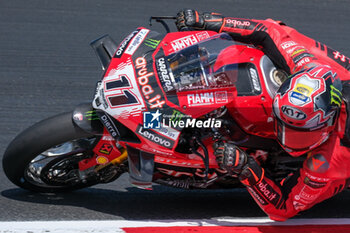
(160, 19)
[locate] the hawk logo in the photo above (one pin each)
(151, 120)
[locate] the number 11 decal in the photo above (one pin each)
(122, 95)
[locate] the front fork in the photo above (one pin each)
(105, 151)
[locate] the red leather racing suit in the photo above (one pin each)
(327, 168)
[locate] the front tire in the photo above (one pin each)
(52, 134)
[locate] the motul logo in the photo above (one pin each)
(293, 112)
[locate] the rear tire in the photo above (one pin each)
(33, 142)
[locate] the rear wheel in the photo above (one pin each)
(45, 157)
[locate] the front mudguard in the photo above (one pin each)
(84, 116)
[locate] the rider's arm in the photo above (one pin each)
(271, 35)
(322, 176)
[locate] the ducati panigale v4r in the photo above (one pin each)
(163, 101)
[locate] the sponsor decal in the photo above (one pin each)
(303, 89)
(106, 148)
(186, 41)
(317, 163)
(199, 99)
(238, 23)
(168, 160)
(176, 116)
(293, 112)
(298, 58)
(151, 120)
(288, 44)
(221, 97)
(336, 96)
(338, 55)
(315, 178)
(297, 51)
(111, 128)
(144, 78)
(306, 196)
(293, 50)
(163, 74)
(268, 192)
(168, 132)
(152, 43)
(154, 137)
(146, 147)
(91, 116)
(255, 80)
(124, 44)
(102, 160)
(257, 196)
(207, 98)
(303, 62)
(136, 41)
(202, 35)
(314, 184)
(173, 118)
(298, 98)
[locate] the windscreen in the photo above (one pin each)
(198, 66)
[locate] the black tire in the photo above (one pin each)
(34, 141)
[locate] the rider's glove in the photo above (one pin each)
(189, 19)
(251, 173)
(229, 157)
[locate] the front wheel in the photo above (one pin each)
(45, 157)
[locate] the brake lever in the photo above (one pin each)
(160, 19)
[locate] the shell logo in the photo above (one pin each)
(102, 160)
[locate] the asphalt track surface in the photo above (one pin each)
(47, 67)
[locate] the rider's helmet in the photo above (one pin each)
(306, 107)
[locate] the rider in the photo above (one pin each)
(310, 110)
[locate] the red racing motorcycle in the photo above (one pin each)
(163, 101)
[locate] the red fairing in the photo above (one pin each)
(253, 113)
(137, 79)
